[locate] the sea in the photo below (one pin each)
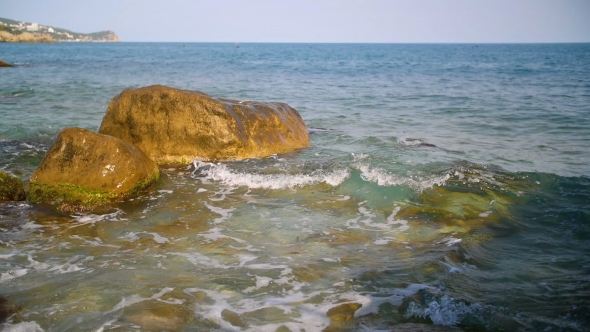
(446, 188)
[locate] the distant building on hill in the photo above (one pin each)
(33, 27)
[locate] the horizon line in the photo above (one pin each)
(324, 42)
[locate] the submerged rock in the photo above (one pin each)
(7, 309)
(11, 188)
(341, 316)
(4, 64)
(84, 170)
(178, 126)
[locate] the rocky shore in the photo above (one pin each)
(12, 31)
(25, 37)
(85, 171)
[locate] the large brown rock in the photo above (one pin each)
(11, 188)
(4, 64)
(177, 126)
(84, 170)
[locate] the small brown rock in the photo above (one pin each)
(84, 170)
(11, 188)
(341, 316)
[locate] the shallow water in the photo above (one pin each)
(445, 184)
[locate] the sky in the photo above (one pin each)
(315, 21)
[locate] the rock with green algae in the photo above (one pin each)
(84, 170)
(11, 188)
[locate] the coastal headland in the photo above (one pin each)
(12, 31)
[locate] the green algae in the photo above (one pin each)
(11, 188)
(74, 198)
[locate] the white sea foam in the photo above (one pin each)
(449, 241)
(86, 219)
(383, 178)
(260, 283)
(246, 258)
(224, 213)
(311, 316)
(158, 238)
(130, 236)
(200, 259)
(264, 266)
(367, 220)
(445, 311)
(135, 298)
(12, 274)
(31, 225)
(223, 174)
(331, 260)
(96, 243)
(222, 194)
(21, 327)
(214, 234)
(133, 236)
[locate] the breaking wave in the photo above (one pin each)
(224, 174)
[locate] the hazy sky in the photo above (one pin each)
(381, 21)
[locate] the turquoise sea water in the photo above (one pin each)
(444, 184)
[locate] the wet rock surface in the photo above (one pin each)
(84, 170)
(178, 126)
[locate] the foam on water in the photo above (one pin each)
(223, 174)
(367, 220)
(15, 273)
(214, 234)
(133, 299)
(298, 306)
(91, 219)
(21, 327)
(383, 178)
(224, 213)
(447, 311)
(200, 259)
(96, 242)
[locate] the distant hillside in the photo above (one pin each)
(19, 31)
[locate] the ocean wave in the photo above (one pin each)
(224, 174)
(448, 311)
(383, 178)
(227, 176)
(17, 94)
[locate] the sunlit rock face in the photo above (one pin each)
(84, 170)
(178, 126)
